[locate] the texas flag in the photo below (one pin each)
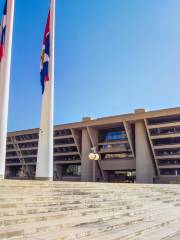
(3, 31)
(45, 56)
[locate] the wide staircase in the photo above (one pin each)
(34, 210)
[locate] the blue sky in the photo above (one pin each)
(112, 56)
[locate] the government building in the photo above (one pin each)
(142, 147)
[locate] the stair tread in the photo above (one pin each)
(88, 211)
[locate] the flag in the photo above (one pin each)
(45, 56)
(3, 31)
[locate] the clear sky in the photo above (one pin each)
(112, 56)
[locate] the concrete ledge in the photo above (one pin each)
(44, 179)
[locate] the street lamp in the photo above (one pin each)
(94, 156)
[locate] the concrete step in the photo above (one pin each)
(29, 218)
(82, 223)
(61, 208)
(139, 228)
(86, 217)
(89, 211)
(87, 231)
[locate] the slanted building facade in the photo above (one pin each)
(141, 146)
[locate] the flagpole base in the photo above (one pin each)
(44, 179)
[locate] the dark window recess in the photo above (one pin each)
(65, 149)
(116, 156)
(164, 119)
(29, 152)
(123, 146)
(8, 139)
(10, 147)
(166, 141)
(64, 132)
(161, 131)
(27, 137)
(112, 135)
(169, 162)
(28, 145)
(174, 171)
(167, 152)
(11, 154)
(66, 158)
(72, 170)
(63, 141)
(30, 160)
(15, 160)
(13, 171)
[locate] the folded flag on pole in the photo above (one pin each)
(45, 56)
(3, 31)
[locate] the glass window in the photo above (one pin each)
(72, 170)
(174, 171)
(113, 135)
(164, 119)
(166, 141)
(116, 156)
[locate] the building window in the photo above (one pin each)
(11, 154)
(65, 149)
(64, 141)
(167, 152)
(27, 137)
(116, 156)
(113, 135)
(174, 171)
(164, 119)
(29, 152)
(161, 131)
(28, 145)
(169, 162)
(166, 141)
(64, 132)
(73, 170)
(123, 146)
(10, 147)
(67, 158)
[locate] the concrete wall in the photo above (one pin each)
(145, 171)
(118, 164)
(86, 164)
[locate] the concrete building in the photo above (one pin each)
(141, 146)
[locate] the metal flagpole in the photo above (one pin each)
(44, 167)
(5, 67)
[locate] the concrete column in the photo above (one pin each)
(93, 134)
(86, 164)
(145, 170)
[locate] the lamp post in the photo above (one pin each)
(94, 156)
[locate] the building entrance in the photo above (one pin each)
(122, 176)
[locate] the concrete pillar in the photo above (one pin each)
(145, 170)
(93, 134)
(86, 164)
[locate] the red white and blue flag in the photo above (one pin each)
(45, 56)
(3, 32)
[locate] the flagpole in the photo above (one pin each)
(44, 167)
(5, 67)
